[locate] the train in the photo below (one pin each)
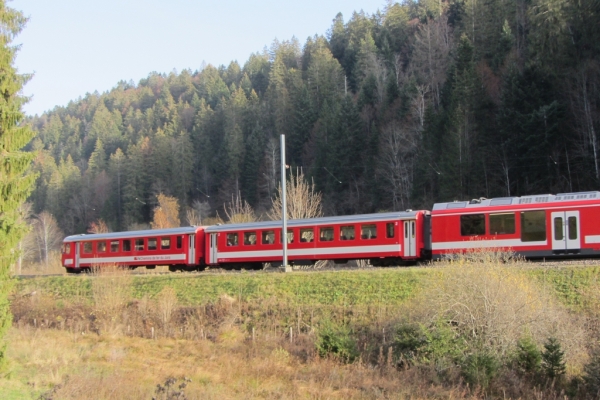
(539, 226)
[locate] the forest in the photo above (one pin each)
(420, 102)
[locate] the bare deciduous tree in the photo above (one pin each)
(586, 108)
(433, 45)
(47, 234)
(398, 148)
(301, 198)
(166, 213)
(239, 211)
(98, 227)
(197, 212)
(26, 246)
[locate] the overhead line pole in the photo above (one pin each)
(284, 207)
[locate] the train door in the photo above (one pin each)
(410, 238)
(213, 248)
(77, 252)
(192, 249)
(565, 231)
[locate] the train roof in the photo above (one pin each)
(133, 234)
(506, 201)
(315, 221)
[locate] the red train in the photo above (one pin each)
(533, 226)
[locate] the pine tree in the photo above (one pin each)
(553, 359)
(15, 181)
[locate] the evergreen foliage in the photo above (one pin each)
(553, 363)
(420, 102)
(337, 341)
(529, 357)
(16, 180)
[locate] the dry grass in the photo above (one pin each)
(40, 268)
(73, 366)
(234, 346)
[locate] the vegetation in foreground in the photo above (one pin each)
(482, 325)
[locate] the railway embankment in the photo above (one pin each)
(482, 325)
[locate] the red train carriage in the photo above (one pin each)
(179, 248)
(385, 239)
(562, 225)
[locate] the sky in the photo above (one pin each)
(74, 47)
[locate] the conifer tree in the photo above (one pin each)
(97, 162)
(15, 180)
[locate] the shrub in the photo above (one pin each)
(479, 369)
(592, 374)
(553, 363)
(437, 345)
(337, 341)
(528, 357)
(491, 301)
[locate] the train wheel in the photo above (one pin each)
(173, 268)
(73, 270)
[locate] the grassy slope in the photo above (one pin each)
(94, 362)
(348, 288)
(327, 288)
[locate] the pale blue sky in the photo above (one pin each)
(79, 46)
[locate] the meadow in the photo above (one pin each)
(484, 325)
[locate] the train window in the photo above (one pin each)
(307, 235)
(152, 243)
(232, 239)
(101, 247)
(114, 246)
(290, 236)
(250, 238)
(126, 245)
(87, 247)
(533, 226)
(139, 244)
(472, 224)
(572, 221)
(326, 234)
(389, 230)
(368, 231)
(165, 243)
(67, 248)
(268, 237)
(558, 229)
(502, 224)
(347, 232)
(179, 243)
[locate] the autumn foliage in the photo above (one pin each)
(166, 213)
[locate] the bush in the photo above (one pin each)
(592, 374)
(479, 369)
(529, 357)
(437, 345)
(553, 363)
(337, 341)
(491, 301)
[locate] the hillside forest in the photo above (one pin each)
(423, 101)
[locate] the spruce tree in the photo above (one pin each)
(553, 359)
(16, 181)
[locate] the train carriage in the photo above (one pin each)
(179, 248)
(562, 225)
(385, 239)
